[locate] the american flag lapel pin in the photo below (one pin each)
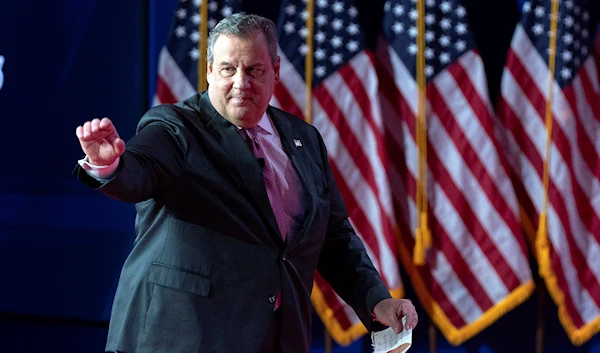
(297, 143)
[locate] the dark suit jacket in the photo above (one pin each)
(208, 258)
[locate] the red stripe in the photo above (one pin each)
(163, 92)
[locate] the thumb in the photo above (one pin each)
(396, 325)
(119, 146)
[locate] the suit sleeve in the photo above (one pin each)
(344, 262)
(153, 160)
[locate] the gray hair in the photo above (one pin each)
(242, 25)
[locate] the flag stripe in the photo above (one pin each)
(163, 92)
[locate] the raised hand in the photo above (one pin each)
(100, 141)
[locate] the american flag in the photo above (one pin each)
(573, 224)
(477, 268)
(347, 113)
(178, 61)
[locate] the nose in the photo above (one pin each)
(241, 80)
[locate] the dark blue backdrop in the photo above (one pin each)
(62, 245)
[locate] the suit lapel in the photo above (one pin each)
(241, 160)
(294, 152)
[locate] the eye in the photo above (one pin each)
(227, 71)
(255, 72)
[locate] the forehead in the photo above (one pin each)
(252, 46)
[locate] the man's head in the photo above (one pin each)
(243, 67)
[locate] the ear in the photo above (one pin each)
(276, 69)
(209, 72)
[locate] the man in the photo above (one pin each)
(237, 207)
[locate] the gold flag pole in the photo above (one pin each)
(308, 64)
(203, 29)
(541, 241)
(422, 232)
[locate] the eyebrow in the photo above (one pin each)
(257, 64)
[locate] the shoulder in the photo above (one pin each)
(296, 123)
(173, 116)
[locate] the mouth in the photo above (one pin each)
(240, 99)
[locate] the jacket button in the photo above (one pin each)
(284, 258)
(271, 299)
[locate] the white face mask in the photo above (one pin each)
(1, 73)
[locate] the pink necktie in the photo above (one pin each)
(270, 182)
(272, 190)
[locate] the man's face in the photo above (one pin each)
(242, 79)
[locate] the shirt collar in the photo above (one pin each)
(265, 123)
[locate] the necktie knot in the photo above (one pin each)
(253, 132)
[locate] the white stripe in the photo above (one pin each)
(156, 101)
(173, 77)
(274, 102)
